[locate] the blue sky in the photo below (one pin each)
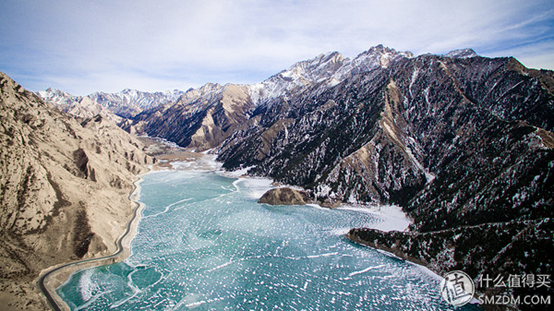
(108, 45)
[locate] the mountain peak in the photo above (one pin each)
(327, 69)
(321, 63)
(462, 53)
(329, 56)
(383, 50)
(380, 49)
(375, 57)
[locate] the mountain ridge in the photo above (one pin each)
(116, 106)
(64, 187)
(323, 70)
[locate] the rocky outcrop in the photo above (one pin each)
(58, 199)
(285, 196)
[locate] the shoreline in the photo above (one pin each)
(411, 261)
(51, 278)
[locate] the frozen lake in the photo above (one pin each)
(204, 243)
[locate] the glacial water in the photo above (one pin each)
(203, 243)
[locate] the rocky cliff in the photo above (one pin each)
(64, 187)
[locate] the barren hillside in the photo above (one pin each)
(64, 187)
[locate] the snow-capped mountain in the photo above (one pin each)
(325, 70)
(83, 107)
(203, 118)
(116, 106)
(129, 103)
(462, 53)
(282, 125)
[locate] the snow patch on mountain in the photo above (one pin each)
(461, 53)
(328, 70)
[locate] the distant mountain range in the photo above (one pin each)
(463, 143)
(124, 104)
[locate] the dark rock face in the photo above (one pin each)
(285, 196)
(82, 233)
(402, 134)
(494, 249)
(81, 161)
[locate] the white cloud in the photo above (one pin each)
(84, 46)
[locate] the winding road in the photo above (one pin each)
(40, 283)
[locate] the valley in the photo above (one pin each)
(462, 143)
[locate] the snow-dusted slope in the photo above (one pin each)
(83, 107)
(326, 70)
(128, 103)
(202, 118)
(462, 53)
